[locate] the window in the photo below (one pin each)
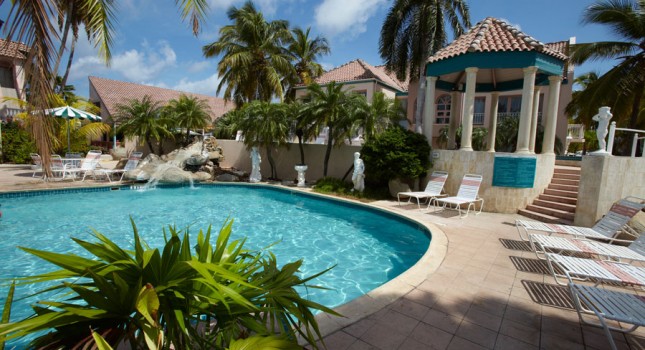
(6, 77)
(509, 106)
(480, 107)
(361, 92)
(443, 109)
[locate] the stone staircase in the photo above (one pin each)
(557, 205)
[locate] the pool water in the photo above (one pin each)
(368, 247)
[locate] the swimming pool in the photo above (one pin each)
(369, 247)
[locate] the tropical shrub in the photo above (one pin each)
(478, 141)
(395, 153)
(184, 296)
(16, 144)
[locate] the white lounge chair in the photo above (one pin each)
(606, 228)
(87, 166)
(593, 270)
(433, 189)
(467, 194)
(132, 163)
(542, 244)
(626, 308)
(38, 163)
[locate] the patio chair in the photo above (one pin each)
(573, 268)
(87, 166)
(38, 163)
(467, 194)
(606, 228)
(132, 163)
(57, 166)
(433, 189)
(626, 308)
(542, 244)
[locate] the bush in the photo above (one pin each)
(16, 144)
(395, 153)
(330, 185)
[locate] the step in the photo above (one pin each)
(544, 218)
(570, 188)
(568, 182)
(566, 176)
(551, 212)
(561, 193)
(558, 199)
(567, 170)
(571, 208)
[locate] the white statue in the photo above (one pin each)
(358, 177)
(255, 165)
(602, 118)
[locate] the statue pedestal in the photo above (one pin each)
(301, 174)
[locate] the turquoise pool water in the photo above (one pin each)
(368, 246)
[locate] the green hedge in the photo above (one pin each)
(16, 144)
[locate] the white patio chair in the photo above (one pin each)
(87, 166)
(132, 163)
(606, 228)
(626, 308)
(38, 163)
(433, 189)
(596, 271)
(467, 194)
(542, 244)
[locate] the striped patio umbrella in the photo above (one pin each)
(68, 112)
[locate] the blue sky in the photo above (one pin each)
(152, 46)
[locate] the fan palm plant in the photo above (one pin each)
(254, 60)
(143, 118)
(413, 30)
(189, 112)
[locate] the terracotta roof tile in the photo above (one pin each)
(361, 70)
(112, 92)
(492, 35)
(13, 49)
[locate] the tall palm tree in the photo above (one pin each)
(189, 112)
(382, 113)
(267, 125)
(254, 59)
(143, 118)
(334, 109)
(304, 52)
(625, 83)
(580, 105)
(33, 23)
(413, 30)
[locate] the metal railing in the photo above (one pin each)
(612, 133)
(576, 132)
(478, 118)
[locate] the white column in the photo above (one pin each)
(534, 118)
(492, 121)
(469, 110)
(455, 118)
(548, 142)
(428, 108)
(524, 131)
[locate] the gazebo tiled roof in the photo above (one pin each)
(112, 92)
(13, 49)
(495, 35)
(360, 70)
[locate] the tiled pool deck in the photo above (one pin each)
(481, 290)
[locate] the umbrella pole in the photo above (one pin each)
(68, 143)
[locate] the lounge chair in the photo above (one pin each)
(38, 163)
(132, 163)
(606, 228)
(566, 269)
(467, 194)
(87, 166)
(626, 308)
(57, 166)
(433, 189)
(542, 244)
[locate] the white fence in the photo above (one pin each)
(612, 133)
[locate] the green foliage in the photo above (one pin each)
(168, 297)
(143, 118)
(478, 141)
(396, 153)
(16, 144)
(337, 187)
(333, 185)
(224, 126)
(188, 112)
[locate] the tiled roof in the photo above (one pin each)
(492, 35)
(112, 92)
(360, 70)
(13, 49)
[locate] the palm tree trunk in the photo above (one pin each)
(149, 142)
(68, 24)
(636, 106)
(69, 61)
(330, 143)
(420, 99)
(302, 150)
(274, 173)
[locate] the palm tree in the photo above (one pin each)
(143, 118)
(333, 109)
(304, 52)
(382, 113)
(623, 85)
(254, 60)
(189, 112)
(224, 126)
(579, 105)
(66, 92)
(266, 125)
(413, 30)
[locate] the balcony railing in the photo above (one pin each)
(575, 133)
(478, 118)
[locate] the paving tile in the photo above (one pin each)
(596, 338)
(409, 308)
(505, 342)
(339, 341)
(384, 337)
(398, 322)
(555, 342)
(421, 297)
(564, 328)
(490, 305)
(484, 319)
(411, 344)
(459, 343)
(523, 332)
(357, 329)
(443, 321)
(451, 305)
(360, 345)
(432, 337)
(477, 334)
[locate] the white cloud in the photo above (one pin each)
(206, 86)
(196, 67)
(334, 17)
(267, 7)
